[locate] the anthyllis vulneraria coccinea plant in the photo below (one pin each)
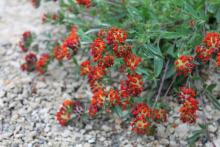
(118, 72)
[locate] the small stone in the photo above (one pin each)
(182, 130)
(92, 140)
(212, 128)
(164, 141)
(40, 85)
(106, 128)
(86, 145)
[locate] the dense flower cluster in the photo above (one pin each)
(111, 44)
(186, 92)
(212, 40)
(190, 105)
(42, 63)
(145, 117)
(86, 3)
(30, 62)
(70, 44)
(69, 112)
(188, 110)
(25, 41)
(218, 59)
(184, 65)
(35, 3)
(203, 53)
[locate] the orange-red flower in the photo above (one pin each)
(98, 98)
(212, 39)
(96, 73)
(106, 61)
(64, 114)
(203, 53)
(30, 62)
(122, 50)
(134, 84)
(86, 3)
(159, 115)
(116, 35)
(218, 60)
(93, 110)
(140, 125)
(58, 53)
(95, 85)
(41, 64)
(141, 109)
(186, 93)
(114, 97)
(188, 111)
(184, 65)
(25, 41)
(71, 44)
(97, 49)
(85, 68)
(69, 111)
(132, 61)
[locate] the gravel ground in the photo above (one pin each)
(28, 102)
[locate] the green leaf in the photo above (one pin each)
(211, 87)
(196, 135)
(158, 65)
(214, 101)
(155, 51)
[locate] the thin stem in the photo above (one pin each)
(161, 84)
(170, 86)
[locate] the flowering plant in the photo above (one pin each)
(134, 60)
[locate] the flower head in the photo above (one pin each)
(122, 50)
(116, 35)
(184, 65)
(42, 63)
(140, 125)
(188, 111)
(85, 3)
(114, 97)
(186, 93)
(58, 53)
(69, 110)
(132, 61)
(71, 44)
(97, 49)
(134, 84)
(203, 53)
(85, 68)
(212, 39)
(30, 62)
(218, 60)
(98, 98)
(106, 61)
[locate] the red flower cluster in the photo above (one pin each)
(35, 3)
(116, 35)
(47, 17)
(69, 111)
(42, 63)
(203, 53)
(133, 85)
(212, 40)
(86, 3)
(70, 44)
(109, 45)
(190, 105)
(145, 117)
(30, 62)
(184, 65)
(188, 111)
(218, 60)
(186, 93)
(25, 42)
